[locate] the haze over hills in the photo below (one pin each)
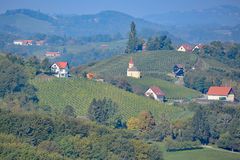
(217, 23)
(190, 26)
(217, 16)
(106, 22)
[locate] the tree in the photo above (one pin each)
(155, 153)
(12, 78)
(146, 121)
(200, 125)
(132, 40)
(45, 64)
(159, 43)
(133, 123)
(69, 111)
(104, 112)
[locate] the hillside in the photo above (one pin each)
(229, 16)
(171, 90)
(154, 67)
(79, 93)
(20, 23)
(106, 22)
(152, 64)
(195, 27)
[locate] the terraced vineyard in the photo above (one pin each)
(154, 67)
(153, 64)
(79, 93)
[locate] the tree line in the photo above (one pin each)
(135, 43)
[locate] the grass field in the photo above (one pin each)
(79, 93)
(201, 154)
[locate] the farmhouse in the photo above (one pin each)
(132, 71)
(90, 75)
(220, 93)
(155, 93)
(185, 48)
(52, 54)
(178, 70)
(197, 47)
(60, 69)
(23, 42)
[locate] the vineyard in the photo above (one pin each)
(172, 91)
(154, 67)
(79, 93)
(152, 64)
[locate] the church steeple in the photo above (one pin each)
(130, 64)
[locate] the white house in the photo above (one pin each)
(18, 42)
(155, 93)
(197, 47)
(185, 48)
(60, 69)
(23, 42)
(220, 94)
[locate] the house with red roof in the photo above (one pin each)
(220, 93)
(155, 93)
(60, 69)
(185, 48)
(23, 42)
(198, 47)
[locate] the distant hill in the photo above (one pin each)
(221, 16)
(106, 22)
(218, 23)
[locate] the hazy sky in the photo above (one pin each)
(134, 7)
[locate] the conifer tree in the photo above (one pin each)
(132, 41)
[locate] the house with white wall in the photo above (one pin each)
(185, 48)
(221, 94)
(156, 93)
(60, 69)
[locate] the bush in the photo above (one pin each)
(172, 145)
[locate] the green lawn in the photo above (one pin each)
(201, 154)
(79, 93)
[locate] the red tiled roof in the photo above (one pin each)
(219, 91)
(187, 47)
(131, 61)
(157, 91)
(62, 65)
(27, 41)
